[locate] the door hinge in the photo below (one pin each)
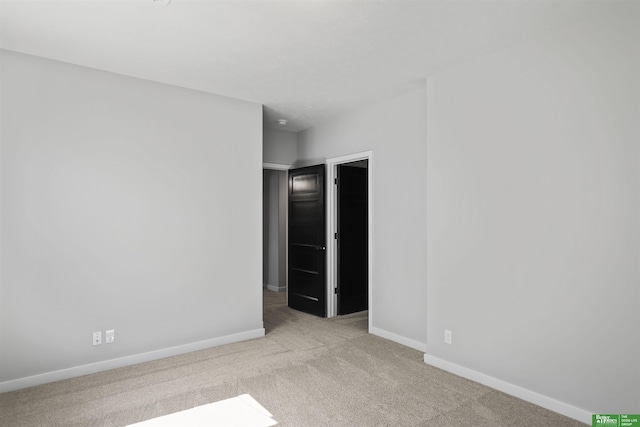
(335, 180)
(335, 236)
(335, 291)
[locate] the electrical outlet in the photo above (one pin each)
(97, 338)
(448, 336)
(110, 336)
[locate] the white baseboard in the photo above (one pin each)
(276, 288)
(512, 389)
(92, 368)
(399, 339)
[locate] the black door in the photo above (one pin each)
(353, 238)
(307, 286)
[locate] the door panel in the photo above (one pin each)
(353, 236)
(307, 232)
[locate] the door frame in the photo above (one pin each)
(332, 221)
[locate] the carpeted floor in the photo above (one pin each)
(306, 371)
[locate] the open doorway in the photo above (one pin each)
(359, 200)
(363, 160)
(352, 240)
(274, 251)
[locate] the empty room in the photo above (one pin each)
(314, 213)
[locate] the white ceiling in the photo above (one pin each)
(305, 61)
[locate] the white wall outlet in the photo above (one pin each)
(110, 336)
(448, 336)
(97, 338)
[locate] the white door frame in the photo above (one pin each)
(332, 209)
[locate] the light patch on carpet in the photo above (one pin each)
(241, 411)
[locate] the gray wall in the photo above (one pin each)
(280, 146)
(271, 227)
(266, 216)
(395, 131)
(126, 205)
(283, 205)
(533, 214)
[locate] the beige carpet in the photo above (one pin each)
(307, 371)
